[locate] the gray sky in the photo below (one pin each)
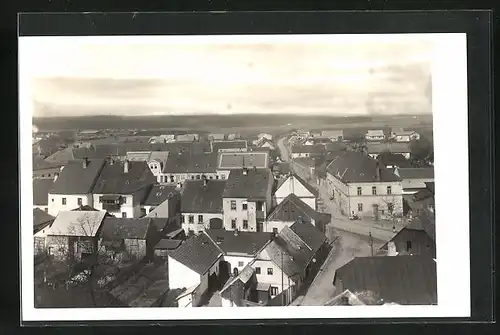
(232, 74)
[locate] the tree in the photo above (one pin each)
(421, 152)
(393, 211)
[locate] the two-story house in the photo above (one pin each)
(122, 187)
(73, 188)
(247, 199)
(361, 186)
(201, 204)
(182, 166)
(293, 184)
(375, 135)
(156, 159)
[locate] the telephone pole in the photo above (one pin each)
(370, 241)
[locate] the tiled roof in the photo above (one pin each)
(114, 180)
(312, 149)
(416, 173)
(61, 156)
(332, 133)
(160, 156)
(238, 160)
(309, 234)
(256, 184)
(247, 243)
(168, 244)
(41, 188)
(305, 161)
(76, 179)
(387, 158)
(244, 277)
(124, 228)
(77, 223)
(283, 167)
(409, 280)
(188, 162)
(301, 181)
(352, 300)
(292, 208)
(159, 193)
(159, 223)
(394, 147)
(140, 156)
(216, 137)
(197, 198)
(358, 167)
(296, 254)
(424, 221)
(375, 133)
(220, 145)
(198, 253)
(41, 219)
(39, 163)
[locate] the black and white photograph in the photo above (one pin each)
(313, 173)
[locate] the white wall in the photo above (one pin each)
(132, 210)
(275, 278)
(186, 301)
(55, 202)
(196, 226)
(292, 185)
(234, 260)
(300, 154)
(181, 276)
(165, 178)
(43, 208)
(269, 225)
(416, 183)
(155, 167)
(239, 214)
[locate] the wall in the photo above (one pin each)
(239, 214)
(275, 278)
(416, 183)
(421, 243)
(300, 154)
(181, 276)
(43, 208)
(292, 185)
(234, 260)
(127, 207)
(305, 172)
(136, 248)
(165, 178)
(196, 227)
(46, 173)
(155, 167)
(55, 202)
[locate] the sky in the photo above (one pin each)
(315, 74)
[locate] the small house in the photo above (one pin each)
(293, 184)
(375, 135)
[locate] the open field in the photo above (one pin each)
(244, 124)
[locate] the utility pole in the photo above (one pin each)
(370, 241)
(282, 282)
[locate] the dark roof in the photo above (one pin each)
(197, 198)
(159, 193)
(75, 179)
(238, 160)
(388, 158)
(85, 208)
(309, 234)
(296, 254)
(168, 244)
(334, 146)
(189, 162)
(308, 186)
(124, 228)
(198, 253)
(416, 173)
(248, 243)
(422, 195)
(425, 221)
(256, 184)
(220, 145)
(39, 163)
(409, 280)
(358, 167)
(41, 188)
(430, 186)
(394, 147)
(312, 149)
(41, 219)
(159, 223)
(305, 161)
(292, 208)
(282, 167)
(114, 180)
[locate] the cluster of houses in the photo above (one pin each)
(224, 212)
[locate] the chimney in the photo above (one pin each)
(245, 171)
(205, 181)
(85, 162)
(125, 166)
(396, 171)
(56, 175)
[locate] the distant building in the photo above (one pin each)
(307, 151)
(241, 289)
(166, 245)
(74, 186)
(421, 201)
(164, 196)
(361, 186)
(180, 167)
(400, 135)
(334, 135)
(229, 146)
(232, 137)
(167, 138)
(247, 199)
(376, 149)
(414, 179)
(122, 187)
(304, 168)
(375, 135)
(266, 136)
(216, 137)
(201, 203)
(226, 161)
(404, 280)
(156, 159)
(391, 161)
(43, 169)
(281, 169)
(187, 138)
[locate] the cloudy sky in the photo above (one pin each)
(322, 74)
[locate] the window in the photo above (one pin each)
(274, 290)
(223, 176)
(79, 201)
(124, 200)
(63, 201)
(124, 214)
(270, 271)
(233, 205)
(408, 246)
(244, 207)
(211, 177)
(216, 177)
(275, 231)
(192, 177)
(197, 176)
(389, 190)
(374, 190)
(191, 219)
(245, 224)
(172, 179)
(182, 219)
(260, 205)
(360, 207)
(233, 223)
(46, 209)
(390, 207)
(200, 218)
(240, 263)
(52, 199)
(257, 270)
